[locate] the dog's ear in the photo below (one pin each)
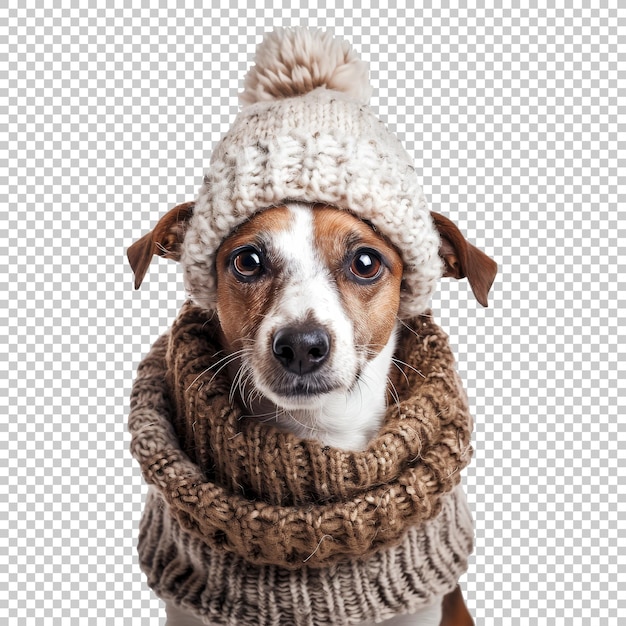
(462, 259)
(164, 240)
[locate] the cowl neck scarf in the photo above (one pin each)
(271, 498)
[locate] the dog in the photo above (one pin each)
(307, 302)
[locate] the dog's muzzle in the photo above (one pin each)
(301, 349)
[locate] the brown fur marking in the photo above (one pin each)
(372, 308)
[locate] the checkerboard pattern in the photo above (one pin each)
(108, 116)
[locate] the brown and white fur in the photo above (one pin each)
(307, 299)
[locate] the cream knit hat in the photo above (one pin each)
(305, 133)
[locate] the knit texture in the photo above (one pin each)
(272, 498)
(247, 525)
(294, 61)
(224, 589)
(307, 134)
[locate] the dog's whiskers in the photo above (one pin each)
(246, 340)
(394, 393)
(412, 330)
(272, 414)
(367, 348)
(309, 427)
(236, 382)
(225, 361)
(253, 394)
(394, 361)
(401, 370)
(397, 362)
(209, 320)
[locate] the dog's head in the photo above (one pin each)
(308, 295)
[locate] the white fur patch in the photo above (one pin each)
(308, 290)
(350, 415)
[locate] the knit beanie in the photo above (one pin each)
(306, 133)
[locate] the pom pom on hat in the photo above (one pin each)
(292, 62)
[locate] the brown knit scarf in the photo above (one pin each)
(244, 487)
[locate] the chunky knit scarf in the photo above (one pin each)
(233, 493)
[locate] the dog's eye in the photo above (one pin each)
(366, 265)
(247, 263)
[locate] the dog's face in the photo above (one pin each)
(307, 296)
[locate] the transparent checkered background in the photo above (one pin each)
(108, 116)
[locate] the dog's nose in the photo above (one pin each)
(301, 350)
